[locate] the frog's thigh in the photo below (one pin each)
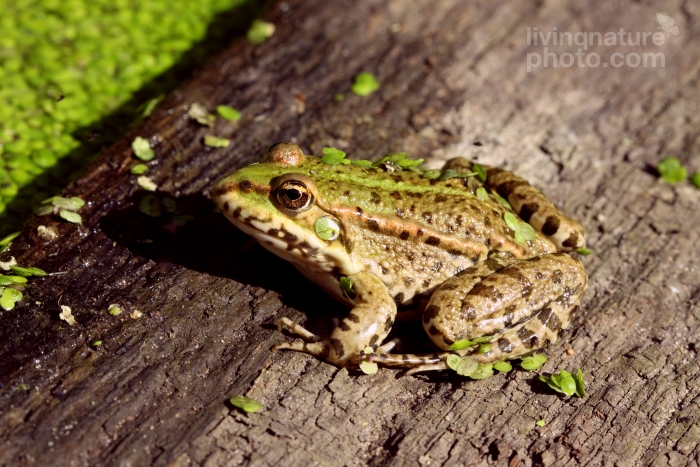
(523, 305)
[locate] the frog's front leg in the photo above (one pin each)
(522, 306)
(367, 325)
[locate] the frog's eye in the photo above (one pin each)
(295, 195)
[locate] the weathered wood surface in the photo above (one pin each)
(452, 73)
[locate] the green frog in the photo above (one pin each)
(381, 238)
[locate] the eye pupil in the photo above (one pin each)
(292, 194)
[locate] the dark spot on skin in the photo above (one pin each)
(398, 298)
(426, 283)
(245, 185)
(373, 225)
(551, 225)
(504, 345)
(527, 210)
(549, 319)
(535, 259)
(405, 235)
(226, 206)
(557, 277)
(468, 311)
(505, 189)
(476, 258)
(572, 241)
(528, 338)
(487, 222)
(236, 213)
(428, 217)
(384, 270)
(408, 281)
(397, 178)
(399, 212)
(458, 220)
(344, 326)
(358, 210)
(454, 252)
(431, 312)
(539, 275)
(486, 291)
(432, 241)
(376, 199)
(448, 286)
(437, 266)
(373, 340)
(346, 193)
(325, 352)
(412, 208)
(420, 232)
(387, 326)
(338, 347)
(411, 257)
(283, 234)
(396, 195)
(440, 198)
(493, 264)
(434, 331)
(510, 309)
(353, 317)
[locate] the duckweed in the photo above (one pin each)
(66, 65)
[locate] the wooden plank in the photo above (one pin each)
(453, 73)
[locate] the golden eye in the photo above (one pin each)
(295, 196)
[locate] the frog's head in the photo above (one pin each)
(276, 202)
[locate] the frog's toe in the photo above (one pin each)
(297, 330)
(317, 349)
(394, 344)
(428, 367)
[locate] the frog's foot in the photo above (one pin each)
(294, 328)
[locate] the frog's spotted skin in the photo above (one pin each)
(403, 236)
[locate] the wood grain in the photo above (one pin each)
(453, 74)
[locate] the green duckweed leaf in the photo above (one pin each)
(503, 366)
(7, 240)
(96, 343)
(369, 368)
(511, 219)
(333, 156)
(431, 174)
(448, 174)
(502, 201)
(461, 344)
(365, 84)
(142, 149)
(484, 348)
(452, 361)
(9, 298)
(480, 172)
(482, 372)
(228, 113)
(671, 170)
(482, 340)
(114, 310)
(482, 194)
(215, 142)
(28, 272)
(524, 232)
(139, 169)
(695, 180)
(540, 423)
(260, 31)
(150, 206)
(326, 228)
(9, 280)
(467, 366)
(72, 217)
(361, 162)
(533, 362)
(584, 251)
(580, 386)
(246, 404)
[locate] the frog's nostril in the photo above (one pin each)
(245, 185)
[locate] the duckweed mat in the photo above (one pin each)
(76, 74)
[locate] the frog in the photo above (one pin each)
(383, 239)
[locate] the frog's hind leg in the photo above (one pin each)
(531, 205)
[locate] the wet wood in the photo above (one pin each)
(454, 81)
